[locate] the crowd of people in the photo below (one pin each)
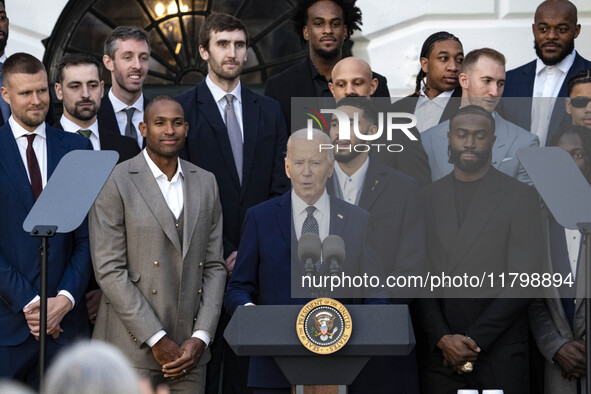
(214, 188)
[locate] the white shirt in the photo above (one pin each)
(219, 95)
(72, 127)
(40, 148)
(138, 115)
(547, 84)
(351, 186)
(173, 195)
(573, 245)
(428, 111)
(321, 214)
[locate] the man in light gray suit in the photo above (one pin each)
(156, 235)
(482, 81)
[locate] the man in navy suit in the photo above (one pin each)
(267, 262)
(555, 29)
(127, 57)
(29, 152)
(240, 137)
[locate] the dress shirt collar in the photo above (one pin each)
(72, 127)
(158, 173)
(563, 66)
(445, 94)
(18, 131)
(119, 105)
(299, 206)
(219, 93)
(357, 178)
(3, 58)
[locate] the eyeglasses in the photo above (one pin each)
(579, 102)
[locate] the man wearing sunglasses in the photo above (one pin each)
(578, 103)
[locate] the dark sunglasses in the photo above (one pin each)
(579, 102)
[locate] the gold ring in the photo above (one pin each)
(468, 367)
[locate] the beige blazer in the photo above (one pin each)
(149, 281)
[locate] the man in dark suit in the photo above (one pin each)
(478, 219)
(267, 264)
(240, 137)
(325, 25)
(127, 57)
(437, 93)
(393, 201)
(555, 29)
(29, 152)
(80, 88)
(4, 107)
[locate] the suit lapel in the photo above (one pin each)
(484, 204)
(210, 111)
(337, 216)
(373, 185)
(250, 124)
(142, 177)
(445, 211)
(191, 205)
(55, 149)
(503, 142)
(439, 146)
(14, 167)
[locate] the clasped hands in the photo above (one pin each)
(457, 351)
(176, 360)
(571, 358)
(57, 308)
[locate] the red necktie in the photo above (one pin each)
(33, 164)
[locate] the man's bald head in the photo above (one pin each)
(564, 7)
(352, 77)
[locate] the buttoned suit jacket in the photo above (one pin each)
(208, 146)
(151, 280)
(549, 323)
(126, 147)
(69, 257)
(267, 262)
(520, 83)
(502, 230)
(509, 139)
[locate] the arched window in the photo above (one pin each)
(173, 28)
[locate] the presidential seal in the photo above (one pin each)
(324, 325)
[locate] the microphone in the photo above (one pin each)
(333, 251)
(309, 247)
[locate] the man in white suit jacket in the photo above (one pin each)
(482, 81)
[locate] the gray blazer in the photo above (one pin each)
(510, 138)
(550, 327)
(149, 281)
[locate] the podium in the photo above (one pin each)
(378, 330)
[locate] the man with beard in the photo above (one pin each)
(482, 80)
(325, 25)
(478, 217)
(80, 88)
(126, 56)
(393, 201)
(352, 77)
(240, 137)
(29, 153)
(555, 29)
(578, 103)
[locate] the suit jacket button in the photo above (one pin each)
(200, 291)
(154, 291)
(156, 264)
(201, 264)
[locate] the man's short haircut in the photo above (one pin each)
(76, 59)
(370, 112)
(158, 99)
(475, 110)
(302, 134)
(585, 136)
(3, 3)
(351, 16)
(428, 48)
(583, 76)
(21, 63)
(124, 33)
(217, 22)
(472, 57)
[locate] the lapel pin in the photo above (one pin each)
(340, 216)
(375, 184)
